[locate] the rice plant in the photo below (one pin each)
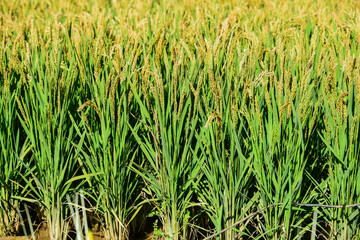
(13, 151)
(208, 119)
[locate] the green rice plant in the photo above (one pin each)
(170, 170)
(54, 172)
(225, 190)
(278, 154)
(12, 149)
(13, 144)
(109, 150)
(108, 153)
(342, 151)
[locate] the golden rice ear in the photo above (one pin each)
(213, 116)
(90, 103)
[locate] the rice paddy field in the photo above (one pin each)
(155, 119)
